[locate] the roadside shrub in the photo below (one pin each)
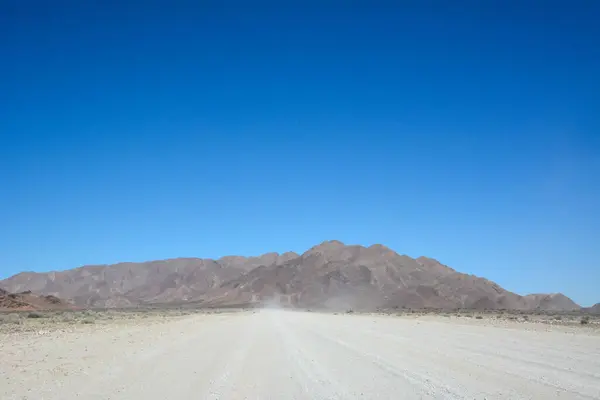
(67, 317)
(585, 320)
(10, 319)
(35, 315)
(479, 317)
(87, 321)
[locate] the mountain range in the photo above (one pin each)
(330, 275)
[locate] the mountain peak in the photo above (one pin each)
(380, 247)
(327, 245)
(552, 301)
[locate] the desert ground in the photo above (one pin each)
(277, 354)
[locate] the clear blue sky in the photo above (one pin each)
(470, 134)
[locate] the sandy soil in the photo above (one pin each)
(273, 354)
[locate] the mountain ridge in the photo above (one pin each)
(330, 274)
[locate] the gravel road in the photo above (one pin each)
(272, 354)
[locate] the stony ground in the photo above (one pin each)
(275, 354)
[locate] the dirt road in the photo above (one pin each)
(274, 354)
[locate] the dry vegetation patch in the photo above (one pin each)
(570, 319)
(47, 321)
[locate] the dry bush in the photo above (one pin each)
(13, 319)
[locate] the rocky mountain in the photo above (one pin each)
(127, 284)
(330, 275)
(551, 302)
(29, 301)
(595, 309)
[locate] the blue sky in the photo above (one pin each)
(469, 133)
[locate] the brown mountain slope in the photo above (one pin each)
(337, 276)
(551, 302)
(329, 275)
(28, 301)
(126, 284)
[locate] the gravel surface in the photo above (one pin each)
(273, 354)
